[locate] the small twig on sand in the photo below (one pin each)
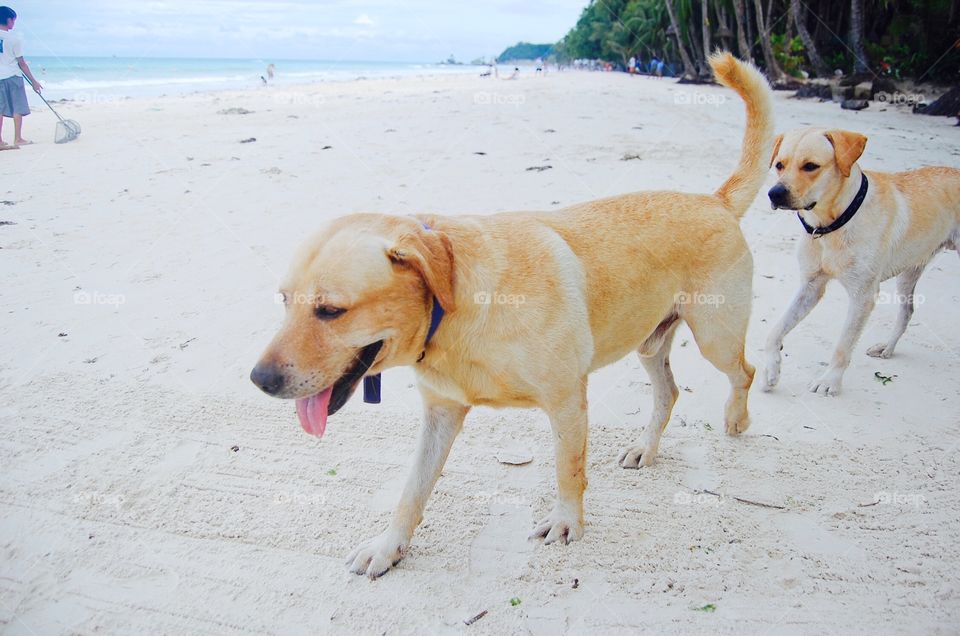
(471, 621)
(773, 436)
(747, 501)
(868, 505)
(183, 345)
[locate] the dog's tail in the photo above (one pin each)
(738, 192)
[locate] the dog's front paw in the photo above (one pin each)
(771, 374)
(880, 351)
(379, 554)
(636, 456)
(828, 383)
(560, 525)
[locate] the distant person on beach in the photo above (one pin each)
(13, 96)
(632, 65)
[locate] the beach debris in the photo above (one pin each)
(90, 360)
(707, 426)
(7, 223)
(549, 130)
(576, 583)
(708, 608)
(326, 148)
(480, 152)
(883, 379)
(236, 110)
(742, 500)
(539, 168)
(473, 619)
(514, 456)
(630, 156)
(273, 170)
(515, 601)
(554, 203)
(62, 334)
(248, 140)
(854, 104)
(332, 472)
(390, 130)
(8, 202)
(235, 448)
(185, 344)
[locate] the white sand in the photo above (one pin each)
(123, 508)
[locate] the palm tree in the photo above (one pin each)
(798, 13)
(689, 70)
(705, 18)
(856, 37)
(739, 11)
(763, 25)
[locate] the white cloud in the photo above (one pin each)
(364, 20)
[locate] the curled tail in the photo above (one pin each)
(738, 192)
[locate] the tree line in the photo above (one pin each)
(787, 38)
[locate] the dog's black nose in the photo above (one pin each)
(778, 194)
(268, 378)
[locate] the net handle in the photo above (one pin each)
(43, 98)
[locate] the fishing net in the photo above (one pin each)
(67, 130)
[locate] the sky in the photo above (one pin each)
(378, 30)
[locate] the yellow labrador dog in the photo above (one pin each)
(862, 228)
(517, 309)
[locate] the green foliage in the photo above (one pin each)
(525, 51)
(790, 55)
(902, 38)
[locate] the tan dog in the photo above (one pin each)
(893, 228)
(534, 302)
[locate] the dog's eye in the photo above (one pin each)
(327, 312)
(779, 165)
(810, 167)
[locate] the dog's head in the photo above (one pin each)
(812, 165)
(358, 300)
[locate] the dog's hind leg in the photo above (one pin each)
(720, 329)
(655, 356)
(906, 284)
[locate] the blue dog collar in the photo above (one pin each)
(372, 383)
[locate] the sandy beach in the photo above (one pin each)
(148, 487)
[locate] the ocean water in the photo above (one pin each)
(106, 78)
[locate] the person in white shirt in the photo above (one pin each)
(13, 96)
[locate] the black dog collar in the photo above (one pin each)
(843, 219)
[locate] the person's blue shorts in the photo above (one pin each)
(13, 97)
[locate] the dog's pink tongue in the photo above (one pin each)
(312, 412)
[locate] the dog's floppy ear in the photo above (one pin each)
(847, 148)
(776, 148)
(430, 254)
